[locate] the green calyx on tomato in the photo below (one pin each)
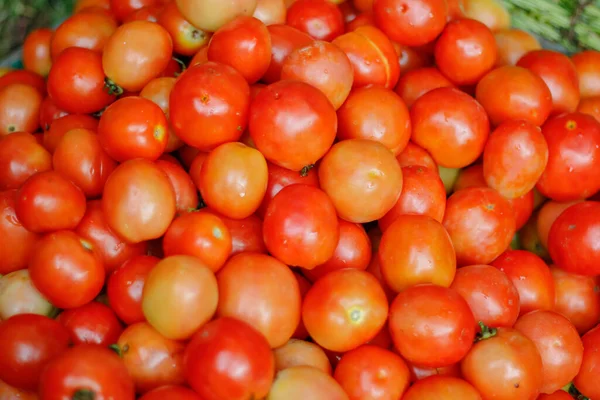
(84, 394)
(304, 171)
(112, 88)
(486, 332)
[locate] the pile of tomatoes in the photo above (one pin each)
(298, 199)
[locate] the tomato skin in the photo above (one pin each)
(344, 309)
(590, 106)
(123, 8)
(209, 97)
(171, 392)
(586, 64)
(246, 234)
(24, 77)
(49, 202)
(125, 287)
(548, 213)
(531, 277)
(414, 154)
(415, 83)
(186, 194)
(487, 210)
(577, 227)
(92, 323)
(411, 22)
(60, 126)
(27, 343)
(249, 363)
(491, 12)
(321, 19)
(458, 138)
(21, 156)
(362, 19)
(279, 124)
(305, 382)
(301, 353)
(36, 51)
(284, 39)
(89, 368)
(187, 39)
(19, 109)
(49, 112)
(513, 44)
(418, 373)
(11, 392)
(569, 174)
(586, 380)
(211, 15)
(18, 295)
(433, 387)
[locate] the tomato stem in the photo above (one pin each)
(304, 171)
(115, 347)
(83, 394)
(486, 332)
(112, 88)
(181, 64)
(574, 392)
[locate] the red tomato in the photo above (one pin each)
(590, 106)
(417, 82)
(465, 51)
(414, 154)
(187, 39)
(125, 286)
(531, 277)
(362, 19)
(60, 126)
(558, 395)
(434, 387)
(321, 19)
(149, 13)
(548, 213)
(21, 156)
(209, 105)
(514, 93)
(513, 44)
(559, 346)
(36, 51)
(228, 359)
(418, 373)
(172, 393)
(295, 210)
(344, 309)
(122, 8)
(304, 284)
(298, 353)
(305, 382)
(362, 178)
(246, 234)
(586, 64)
(19, 109)
(138, 201)
(587, 378)
(431, 325)
(49, 202)
(262, 291)
(559, 74)
(573, 170)
(49, 112)
(451, 125)
(292, 123)
(481, 224)
(186, 194)
(244, 44)
(411, 22)
(11, 392)
(27, 343)
(367, 372)
(372, 56)
(92, 323)
(24, 77)
(86, 370)
(284, 39)
(514, 373)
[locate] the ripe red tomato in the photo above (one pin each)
(321, 19)
(262, 291)
(209, 105)
(586, 380)
(19, 109)
(11, 392)
(123, 8)
(299, 352)
(49, 112)
(481, 224)
(411, 22)
(414, 84)
(228, 359)
(292, 123)
(92, 323)
(305, 382)
(21, 156)
(149, 13)
(368, 371)
(27, 343)
(434, 387)
(513, 44)
(362, 178)
(24, 77)
(171, 392)
(590, 106)
(187, 39)
(86, 370)
(36, 51)
(418, 373)
(573, 170)
(414, 154)
(60, 126)
(284, 39)
(586, 64)
(186, 194)
(531, 277)
(344, 309)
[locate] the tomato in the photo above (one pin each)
(18, 295)
(211, 99)
(577, 228)
(305, 382)
(587, 378)
(491, 12)
(506, 365)
(270, 12)
(514, 93)
(210, 15)
(481, 224)
(24, 77)
(372, 56)
(284, 39)
(262, 291)
(451, 125)
(590, 106)
(312, 64)
(49, 112)
(587, 63)
(304, 285)
(135, 54)
(122, 8)
(362, 19)
(548, 213)
(559, 346)
(353, 251)
(125, 286)
(344, 309)
(92, 323)
(301, 353)
(414, 154)
(411, 22)
(418, 373)
(246, 234)
(149, 13)
(513, 44)
(321, 19)
(187, 39)
(180, 295)
(446, 387)
(27, 343)
(172, 393)
(244, 44)
(186, 195)
(60, 126)
(531, 277)
(362, 178)
(465, 51)
(292, 123)
(19, 109)
(573, 170)
(228, 359)
(369, 371)
(86, 370)
(415, 83)
(514, 158)
(11, 392)
(36, 51)
(138, 201)
(21, 156)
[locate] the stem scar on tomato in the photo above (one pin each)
(84, 394)
(304, 171)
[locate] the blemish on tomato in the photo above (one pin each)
(86, 245)
(490, 207)
(571, 227)
(159, 132)
(217, 233)
(570, 125)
